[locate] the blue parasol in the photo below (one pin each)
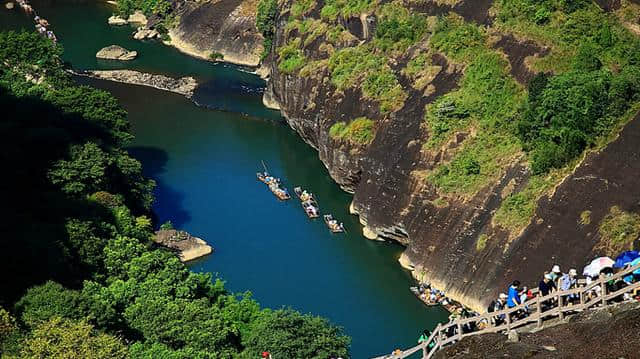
(625, 257)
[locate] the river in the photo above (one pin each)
(204, 162)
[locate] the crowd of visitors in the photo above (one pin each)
(552, 281)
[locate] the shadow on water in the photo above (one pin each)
(155, 161)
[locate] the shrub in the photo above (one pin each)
(289, 334)
(358, 131)
(291, 58)
(166, 226)
(618, 230)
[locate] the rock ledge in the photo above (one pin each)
(187, 246)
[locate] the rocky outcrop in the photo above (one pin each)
(394, 200)
(208, 28)
(605, 333)
(144, 33)
(117, 21)
(184, 85)
(115, 52)
(138, 18)
(185, 245)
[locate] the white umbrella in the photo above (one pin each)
(596, 265)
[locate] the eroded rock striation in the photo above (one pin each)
(184, 244)
(115, 52)
(184, 85)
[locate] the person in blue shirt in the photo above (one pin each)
(513, 298)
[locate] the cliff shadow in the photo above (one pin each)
(169, 202)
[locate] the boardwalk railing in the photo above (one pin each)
(539, 308)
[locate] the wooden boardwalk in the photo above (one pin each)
(538, 312)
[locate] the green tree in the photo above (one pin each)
(46, 301)
(286, 333)
(66, 339)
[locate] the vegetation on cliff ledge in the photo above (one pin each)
(359, 131)
(76, 222)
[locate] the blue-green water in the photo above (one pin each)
(204, 162)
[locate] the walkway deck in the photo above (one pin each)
(561, 308)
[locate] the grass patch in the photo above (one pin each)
(397, 28)
(359, 131)
(299, 8)
(333, 9)
(585, 218)
(516, 210)
(618, 230)
(291, 57)
(361, 67)
(481, 161)
(481, 243)
(440, 202)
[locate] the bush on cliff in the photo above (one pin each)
(266, 22)
(359, 131)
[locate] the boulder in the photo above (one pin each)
(117, 21)
(513, 336)
(144, 33)
(138, 18)
(187, 246)
(9, 5)
(115, 52)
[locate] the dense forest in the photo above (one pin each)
(80, 277)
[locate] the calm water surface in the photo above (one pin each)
(204, 161)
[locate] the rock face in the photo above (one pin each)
(117, 21)
(593, 334)
(218, 27)
(395, 202)
(187, 246)
(115, 52)
(184, 86)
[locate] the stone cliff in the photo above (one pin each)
(220, 30)
(453, 238)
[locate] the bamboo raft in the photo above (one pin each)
(450, 306)
(309, 204)
(274, 185)
(328, 220)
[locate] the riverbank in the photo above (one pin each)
(184, 86)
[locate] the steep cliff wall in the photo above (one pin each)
(452, 237)
(207, 28)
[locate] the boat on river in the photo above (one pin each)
(274, 185)
(308, 202)
(333, 224)
(438, 299)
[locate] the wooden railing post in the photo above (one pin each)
(603, 286)
(508, 315)
(539, 308)
(560, 305)
(459, 329)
